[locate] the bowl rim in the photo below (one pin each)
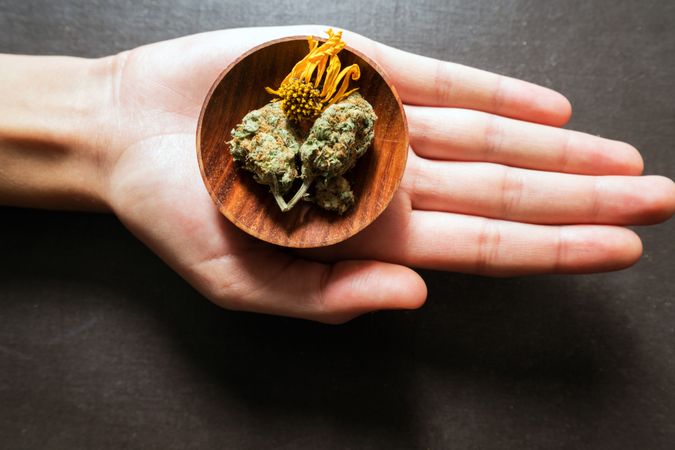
(198, 147)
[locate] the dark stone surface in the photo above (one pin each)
(102, 346)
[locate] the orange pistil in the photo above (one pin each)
(303, 98)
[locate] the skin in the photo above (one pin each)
(492, 185)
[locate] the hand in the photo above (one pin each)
(491, 186)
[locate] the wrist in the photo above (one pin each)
(51, 138)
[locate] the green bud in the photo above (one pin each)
(266, 144)
(339, 136)
(333, 194)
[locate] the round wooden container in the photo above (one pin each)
(249, 205)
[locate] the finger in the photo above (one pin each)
(430, 82)
(355, 287)
(460, 134)
(469, 244)
(327, 293)
(497, 191)
(492, 247)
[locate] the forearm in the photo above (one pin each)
(50, 135)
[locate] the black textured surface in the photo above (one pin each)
(102, 346)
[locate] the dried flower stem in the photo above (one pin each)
(278, 197)
(298, 195)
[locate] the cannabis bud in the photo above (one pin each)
(269, 142)
(266, 144)
(333, 194)
(339, 136)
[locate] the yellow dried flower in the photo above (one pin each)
(304, 98)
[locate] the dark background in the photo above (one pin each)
(103, 346)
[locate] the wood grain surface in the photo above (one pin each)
(249, 205)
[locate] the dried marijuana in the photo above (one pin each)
(339, 136)
(268, 142)
(333, 194)
(271, 147)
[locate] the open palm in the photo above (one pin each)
(491, 185)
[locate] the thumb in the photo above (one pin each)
(356, 287)
(329, 293)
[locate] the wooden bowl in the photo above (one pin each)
(241, 88)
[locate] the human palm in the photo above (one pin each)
(491, 186)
